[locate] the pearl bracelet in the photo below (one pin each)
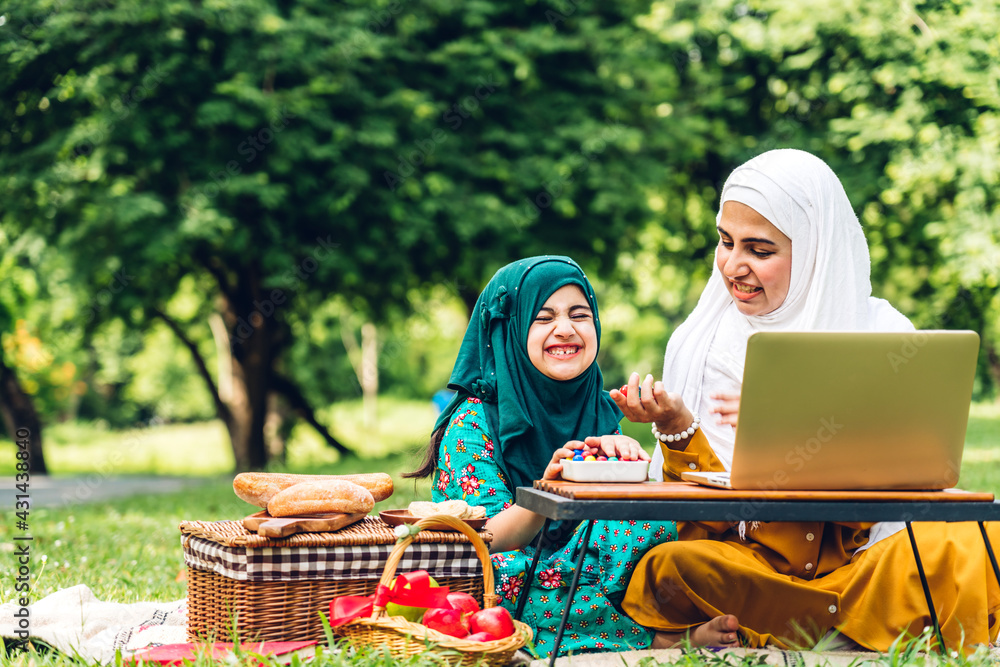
(676, 437)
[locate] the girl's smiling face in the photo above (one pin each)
(755, 259)
(562, 339)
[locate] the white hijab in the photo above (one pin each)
(829, 290)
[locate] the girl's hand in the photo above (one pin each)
(622, 446)
(728, 408)
(651, 402)
(554, 469)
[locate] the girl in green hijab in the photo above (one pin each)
(529, 393)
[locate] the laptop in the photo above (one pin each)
(851, 411)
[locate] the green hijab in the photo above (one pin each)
(529, 414)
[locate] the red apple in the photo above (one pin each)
(409, 613)
(463, 602)
(481, 637)
(495, 621)
(447, 621)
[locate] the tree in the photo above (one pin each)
(283, 152)
(20, 347)
(902, 102)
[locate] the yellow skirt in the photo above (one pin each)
(872, 600)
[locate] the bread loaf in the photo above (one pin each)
(257, 488)
(321, 497)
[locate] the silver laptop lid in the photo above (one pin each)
(854, 410)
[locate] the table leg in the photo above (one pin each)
(989, 550)
(530, 576)
(927, 588)
(572, 591)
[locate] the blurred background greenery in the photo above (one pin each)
(271, 212)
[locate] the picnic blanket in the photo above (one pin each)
(76, 623)
(731, 657)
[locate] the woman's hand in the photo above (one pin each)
(728, 408)
(651, 402)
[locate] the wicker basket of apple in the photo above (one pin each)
(474, 635)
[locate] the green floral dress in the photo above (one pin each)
(467, 470)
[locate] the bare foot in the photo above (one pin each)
(720, 631)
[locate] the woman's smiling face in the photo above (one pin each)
(562, 339)
(755, 259)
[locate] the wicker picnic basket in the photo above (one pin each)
(403, 638)
(271, 589)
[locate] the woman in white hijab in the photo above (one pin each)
(791, 256)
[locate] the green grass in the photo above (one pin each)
(981, 460)
(129, 549)
(77, 448)
(203, 449)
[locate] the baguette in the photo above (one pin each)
(257, 488)
(322, 497)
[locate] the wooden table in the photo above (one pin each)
(684, 501)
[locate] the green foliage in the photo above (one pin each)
(293, 153)
(900, 99)
(415, 352)
(304, 162)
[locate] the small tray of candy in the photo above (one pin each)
(605, 471)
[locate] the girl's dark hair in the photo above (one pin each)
(429, 465)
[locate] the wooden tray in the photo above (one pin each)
(266, 525)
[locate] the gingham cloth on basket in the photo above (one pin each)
(319, 562)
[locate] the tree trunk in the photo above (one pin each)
(247, 338)
(242, 406)
(276, 428)
(993, 359)
(251, 329)
(364, 361)
(20, 418)
(369, 375)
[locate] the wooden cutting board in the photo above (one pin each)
(266, 525)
